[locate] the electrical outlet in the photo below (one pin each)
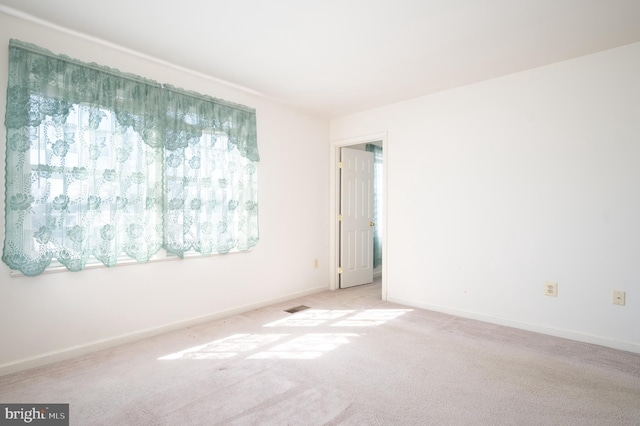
(315, 263)
(618, 297)
(551, 289)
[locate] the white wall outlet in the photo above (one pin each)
(618, 297)
(551, 289)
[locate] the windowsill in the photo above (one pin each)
(124, 262)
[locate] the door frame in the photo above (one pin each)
(334, 205)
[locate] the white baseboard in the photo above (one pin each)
(551, 331)
(51, 357)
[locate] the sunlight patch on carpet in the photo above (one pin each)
(371, 317)
(292, 345)
(310, 318)
(309, 346)
(227, 347)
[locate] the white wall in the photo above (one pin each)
(58, 312)
(497, 187)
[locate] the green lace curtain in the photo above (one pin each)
(101, 164)
(211, 203)
(377, 202)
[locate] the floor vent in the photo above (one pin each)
(296, 309)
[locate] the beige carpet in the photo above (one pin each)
(350, 359)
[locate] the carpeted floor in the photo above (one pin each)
(350, 359)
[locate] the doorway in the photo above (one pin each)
(334, 224)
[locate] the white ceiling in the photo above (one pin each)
(334, 57)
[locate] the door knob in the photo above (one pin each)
(372, 223)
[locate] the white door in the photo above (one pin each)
(356, 220)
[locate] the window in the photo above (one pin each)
(103, 165)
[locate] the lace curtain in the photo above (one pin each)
(211, 191)
(101, 164)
